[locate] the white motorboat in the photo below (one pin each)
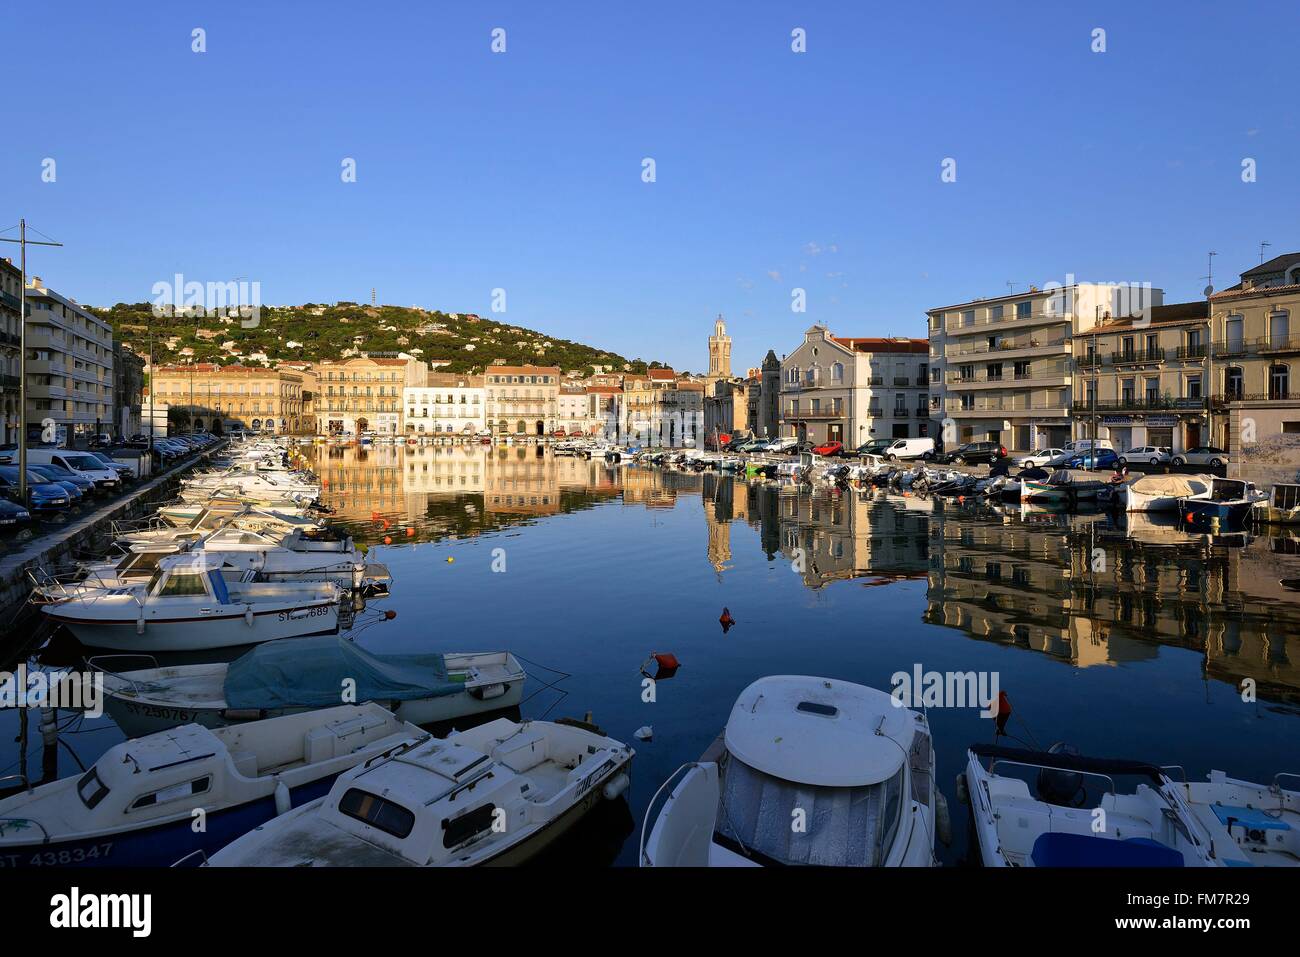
(138, 804)
(1282, 506)
(1264, 819)
(1160, 493)
(495, 794)
(1076, 817)
(808, 771)
(285, 677)
(181, 513)
(188, 606)
(206, 520)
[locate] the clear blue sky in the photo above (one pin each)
(774, 169)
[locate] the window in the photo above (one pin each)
(994, 370)
(1279, 328)
(1193, 387)
(1234, 335)
(91, 789)
(1024, 309)
(183, 584)
(1233, 383)
(1128, 389)
(471, 824)
(968, 317)
(837, 372)
(1279, 382)
(995, 312)
(1153, 390)
(389, 817)
(175, 792)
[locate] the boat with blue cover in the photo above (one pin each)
(136, 806)
(1075, 816)
(301, 674)
(1230, 501)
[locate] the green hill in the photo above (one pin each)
(313, 331)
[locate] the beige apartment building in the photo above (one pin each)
(1001, 369)
(69, 364)
(1145, 381)
(447, 403)
(522, 400)
(202, 395)
(572, 410)
(852, 390)
(364, 394)
(605, 411)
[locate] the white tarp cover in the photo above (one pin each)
(1171, 486)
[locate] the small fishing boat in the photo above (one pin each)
(1230, 502)
(301, 674)
(842, 760)
(1160, 493)
(1282, 506)
(1264, 819)
(495, 794)
(188, 605)
(1061, 486)
(1057, 824)
(138, 804)
(249, 518)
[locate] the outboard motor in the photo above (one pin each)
(1062, 788)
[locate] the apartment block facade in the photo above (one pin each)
(69, 365)
(364, 394)
(522, 400)
(852, 390)
(11, 279)
(1002, 369)
(446, 404)
(202, 395)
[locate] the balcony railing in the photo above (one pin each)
(901, 381)
(1271, 396)
(1251, 347)
(1144, 404)
(820, 415)
(876, 380)
(1156, 354)
(1030, 343)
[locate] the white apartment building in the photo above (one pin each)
(10, 289)
(1003, 370)
(447, 404)
(852, 390)
(69, 364)
(572, 410)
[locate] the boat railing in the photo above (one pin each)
(45, 835)
(1277, 779)
(197, 858)
(1182, 772)
(1051, 767)
(642, 856)
(94, 664)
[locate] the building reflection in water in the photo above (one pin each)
(1088, 589)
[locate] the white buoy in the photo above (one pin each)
(942, 820)
(248, 616)
(615, 786)
(644, 733)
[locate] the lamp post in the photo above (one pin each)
(23, 242)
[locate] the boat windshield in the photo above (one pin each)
(784, 822)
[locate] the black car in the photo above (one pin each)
(973, 453)
(874, 447)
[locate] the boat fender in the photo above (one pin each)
(283, 803)
(963, 789)
(942, 820)
(248, 615)
(615, 786)
(488, 692)
(242, 714)
(139, 623)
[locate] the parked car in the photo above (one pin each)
(903, 449)
(13, 515)
(1038, 458)
(782, 445)
(873, 447)
(974, 453)
(124, 471)
(77, 489)
(42, 494)
(104, 478)
(1093, 459)
(828, 448)
(1202, 455)
(1150, 454)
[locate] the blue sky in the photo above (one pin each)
(774, 169)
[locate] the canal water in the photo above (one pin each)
(1125, 639)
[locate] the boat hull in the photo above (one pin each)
(197, 633)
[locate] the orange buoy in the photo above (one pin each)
(387, 540)
(410, 533)
(390, 615)
(665, 659)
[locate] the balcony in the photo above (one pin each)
(1266, 345)
(1013, 321)
(1030, 346)
(876, 380)
(1138, 356)
(821, 415)
(1145, 404)
(1191, 352)
(901, 382)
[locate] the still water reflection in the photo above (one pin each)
(1125, 638)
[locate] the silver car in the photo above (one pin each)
(1152, 454)
(1202, 455)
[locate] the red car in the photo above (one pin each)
(829, 448)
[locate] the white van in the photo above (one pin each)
(106, 479)
(904, 449)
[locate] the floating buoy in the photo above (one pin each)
(410, 533)
(387, 540)
(725, 620)
(450, 559)
(644, 733)
(390, 615)
(665, 659)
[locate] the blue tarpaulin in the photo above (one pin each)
(310, 673)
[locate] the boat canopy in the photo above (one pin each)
(1172, 486)
(1063, 849)
(310, 672)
